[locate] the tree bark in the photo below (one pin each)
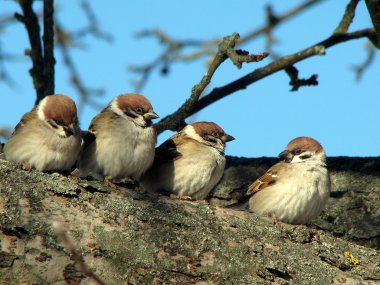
(127, 236)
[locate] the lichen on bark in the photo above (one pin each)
(127, 236)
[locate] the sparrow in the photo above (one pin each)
(48, 138)
(120, 141)
(190, 163)
(296, 189)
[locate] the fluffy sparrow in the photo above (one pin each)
(47, 138)
(120, 141)
(190, 163)
(296, 189)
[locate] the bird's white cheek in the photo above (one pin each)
(296, 159)
(61, 132)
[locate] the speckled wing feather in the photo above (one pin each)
(89, 136)
(167, 151)
(267, 179)
(24, 120)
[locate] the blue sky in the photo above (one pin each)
(340, 112)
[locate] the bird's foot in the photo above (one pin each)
(107, 181)
(184, 198)
(276, 222)
(24, 165)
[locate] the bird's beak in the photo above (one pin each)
(69, 130)
(286, 156)
(227, 138)
(150, 116)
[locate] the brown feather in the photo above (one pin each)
(267, 179)
(101, 120)
(133, 101)
(25, 120)
(207, 128)
(302, 144)
(167, 151)
(97, 122)
(61, 108)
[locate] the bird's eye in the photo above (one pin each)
(306, 156)
(297, 151)
(139, 111)
(215, 134)
(53, 124)
(59, 122)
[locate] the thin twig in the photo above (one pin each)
(296, 82)
(270, 40)
(5, 133)
(30, 20)
(226, 50)
(284, 62)
(348, 16)
(85, 93)
(68, 39)
(275, 66)
(278, 19)
(173, 48)
(5, 20)
(83, 268)
(93, 27)
(4, 74)
(359, 69)
(48, 40)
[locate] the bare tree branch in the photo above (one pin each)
(85, 93)
(83, 268)
(373, 7)
(226, 50)
(296, 82)
(276, 20)
(280, 64)
(30, 20)
(5, 133)
(6, 19)
(348, 16)
(176, 120)
(42, 70)
(93, 26)
(173, 48)
(361, 68)
(68, 39)
(4, 74)
(48, 40)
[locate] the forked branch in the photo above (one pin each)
(176, 121)
(42, 55)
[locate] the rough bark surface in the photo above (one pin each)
(127, 236)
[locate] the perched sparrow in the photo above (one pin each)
(294, 190)
(47, 138)
(190, 163)
(120, 142)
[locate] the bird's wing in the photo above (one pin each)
(24, 121)
(168, 151)
(267, 179)
(97, 122)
